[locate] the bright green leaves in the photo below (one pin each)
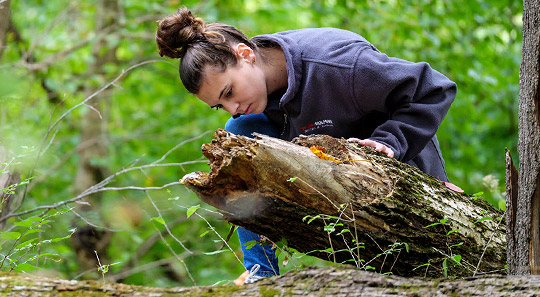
(9, 235)
(250, 244)
(159, 220)
(440, 222)
(192, 210)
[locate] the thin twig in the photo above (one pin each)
(179, 145)
(144, 267)
(146, 246)
(165, 224)
(103, 88)
(487, 244)
(81, 196)
(224, 241)
(136, 188)
(111, 177)
(90, 223)
(319, 192)
(448, 256)
(51, 127)
(175, 255)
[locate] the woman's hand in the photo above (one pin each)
(377, 146)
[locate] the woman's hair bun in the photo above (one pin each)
(176, 32)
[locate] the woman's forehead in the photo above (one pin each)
(212, 84)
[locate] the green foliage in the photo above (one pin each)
(19, 248)
(477, 44)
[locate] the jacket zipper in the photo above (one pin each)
(284, 124)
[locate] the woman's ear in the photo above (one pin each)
(245, 52)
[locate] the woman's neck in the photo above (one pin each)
(275, 69)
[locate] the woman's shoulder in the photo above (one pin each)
(315, 34)
(322, 44)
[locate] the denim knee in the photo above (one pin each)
(245, 125)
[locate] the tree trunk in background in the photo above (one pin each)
(9, 178)
(4, 24)
(6, 180)
(365, 207)
(88, 239)
(524, 228)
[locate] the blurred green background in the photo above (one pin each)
(60, 52)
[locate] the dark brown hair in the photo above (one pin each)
(187, 37)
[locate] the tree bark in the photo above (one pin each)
(525, 249)
(4, 24)
(363, 208)
(9, 178)
(328, 281)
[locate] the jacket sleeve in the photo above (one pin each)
(415, 97)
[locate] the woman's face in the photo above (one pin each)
(240, 89)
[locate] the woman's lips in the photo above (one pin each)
(248, 110)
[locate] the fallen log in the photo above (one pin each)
(327, 281)
(349, 204)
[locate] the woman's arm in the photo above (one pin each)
(415, 96)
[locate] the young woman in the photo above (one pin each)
(310, 81)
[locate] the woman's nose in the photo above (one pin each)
(231, 107)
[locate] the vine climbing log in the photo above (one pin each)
(343, 202)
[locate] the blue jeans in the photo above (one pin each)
(263, 254)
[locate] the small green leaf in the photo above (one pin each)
(406, 246)
(344, 231)
(370, 267)
(28, 242)
(192, 210)
(431, 225)
(452, 231)
(292, 179)
(174, 198)
(313, 218)
(26, 267)
(425, 264)
(28, 222)
(60, 238)
(457, 244)
(441, 221)
(9, 235)
(483, 219)
(445, 268)
(477, 195)
(204, 233)
(159, 220)
(329, 228)
(33, 231)
(250, 244)
(457, 258)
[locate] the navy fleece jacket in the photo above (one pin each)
(339, 84)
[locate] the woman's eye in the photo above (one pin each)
(217, 107)
(229, 93)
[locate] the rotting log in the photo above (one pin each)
(275, 188)
(327, 281)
